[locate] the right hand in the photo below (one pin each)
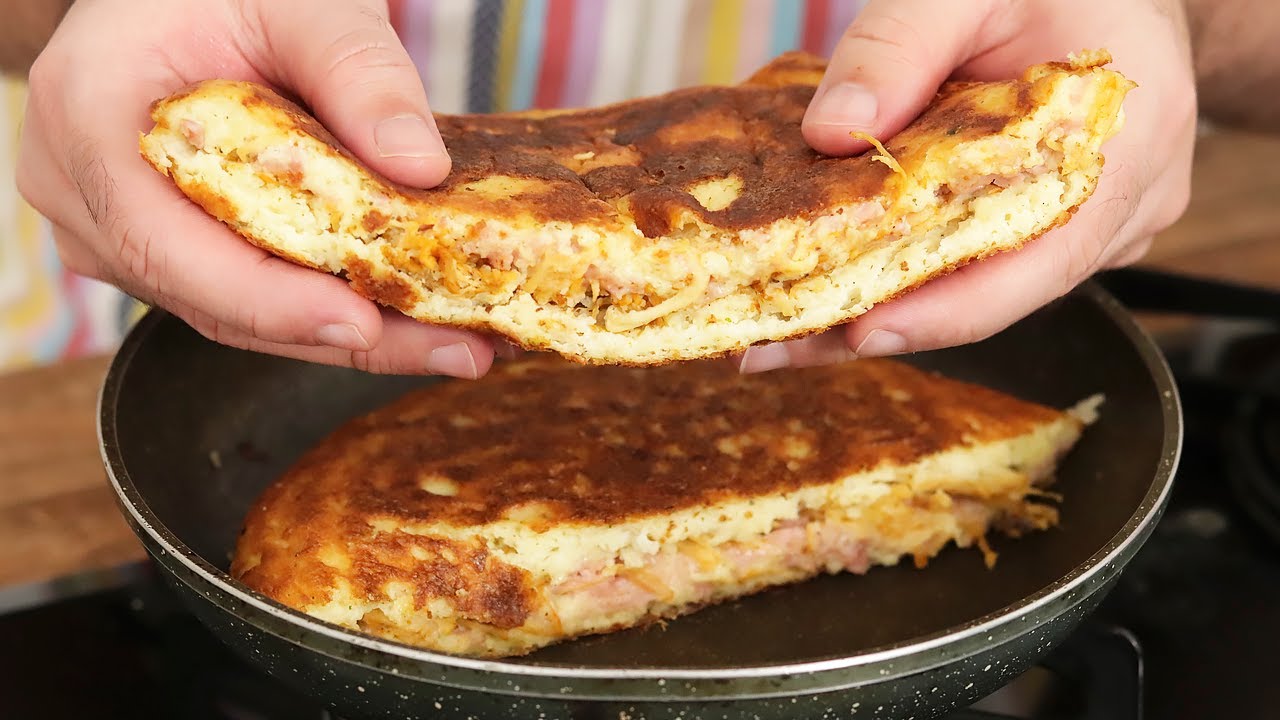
(117, 220)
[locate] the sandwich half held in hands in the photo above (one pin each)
(687, 225)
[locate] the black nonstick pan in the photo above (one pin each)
(192, 431)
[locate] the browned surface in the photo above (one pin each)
(388, 289)
(646, 153)
(631, 174)
(609, 444)
(480, 587)
(57, 514)
(612, 443)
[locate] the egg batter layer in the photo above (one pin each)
(687, 225)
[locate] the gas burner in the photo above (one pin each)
(1230, 380)
(1252, 450)
(1229, 375)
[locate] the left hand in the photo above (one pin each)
(888, 66)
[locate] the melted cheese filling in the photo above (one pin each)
(691, 573)
(617, 277)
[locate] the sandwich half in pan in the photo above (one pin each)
(548, 501)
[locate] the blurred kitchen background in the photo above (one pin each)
(59, 524)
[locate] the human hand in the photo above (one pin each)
(887, 67)
(117, 220)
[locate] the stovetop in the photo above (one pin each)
(1188, 633)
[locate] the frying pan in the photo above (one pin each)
(192, 431)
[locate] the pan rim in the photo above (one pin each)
(995, 624)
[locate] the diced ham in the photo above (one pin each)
(865, 211)
(837, 551)
(796, 544)
(785, 546)
(970, 512)
(676, 570)
(611, 595)
(193, 132)
(281, 160)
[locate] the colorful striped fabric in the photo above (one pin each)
(569, 53)
(46, 312)
(473, 56)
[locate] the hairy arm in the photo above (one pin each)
(1237, 61)
(26, 28)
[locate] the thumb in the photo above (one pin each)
(345, 60)
(888, 65)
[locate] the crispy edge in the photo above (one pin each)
(386, 288)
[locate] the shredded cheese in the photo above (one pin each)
(621, 321)
(707, 558)
(651, 582)
(988, 555)
(901, 203)
(884, 156)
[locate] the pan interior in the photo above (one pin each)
(203, 428)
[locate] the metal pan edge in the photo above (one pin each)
(612, 683)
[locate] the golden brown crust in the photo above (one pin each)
(493, 592)
(624, 177)
(385, 289)
(613, 443)
(395, 498)
(666, 143)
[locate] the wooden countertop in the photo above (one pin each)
(57, 515)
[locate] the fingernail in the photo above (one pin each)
(879, 343)
(762, 358)
(846, 104)
(454, 360)
(342, 335)
(407, 136)
(505, 350)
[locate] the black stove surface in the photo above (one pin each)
(132, 652)
(1188, 633)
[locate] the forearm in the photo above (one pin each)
(1237, 61)
(26, 28)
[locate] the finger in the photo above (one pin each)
(76, 256)
(1130, 253)
(74, 253)
(983, 298)
(156, 245)
(408, 348)
(208, 268)
(345, 60)
(42, 184)
(968, 305)
(504, 349)
(177, 253)
(888, 65)
(1163, 203)
(40, 179)
(825, 348)
(167, 250)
